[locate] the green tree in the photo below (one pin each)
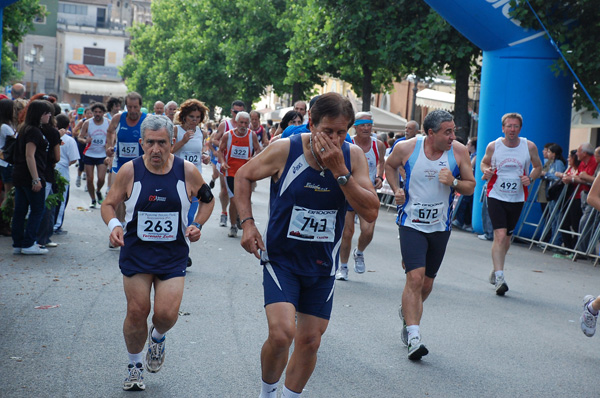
(575, 27)
(17, 21)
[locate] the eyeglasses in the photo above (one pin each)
(236, 112)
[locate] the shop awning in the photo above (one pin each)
(434, 99)
(584, 118)
(95, 87)
(383, 120)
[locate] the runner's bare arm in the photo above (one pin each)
(466, 184)
(119, 192)
(486, 162)
(395, 162)
(593, 198)
(111, 134)
(380, 164)
(359, 190)
(195, 182)
(535, 162)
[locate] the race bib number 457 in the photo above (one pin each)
(312, 225)
(128, 150)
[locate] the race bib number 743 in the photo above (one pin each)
(312, 225)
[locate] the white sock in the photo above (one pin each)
(359, 252)
(499, 273)
(287, 393)
(413, 330)
(344, 265)
(268, 390)
(136, 358)
(591, 309)
(157, 336)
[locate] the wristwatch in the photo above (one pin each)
(197, 225)
(343, 180)
(455, 182)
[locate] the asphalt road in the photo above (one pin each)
(526, 344)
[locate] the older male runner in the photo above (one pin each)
(312, 177)
(436, 165)
(506, 166)
(375, 153)
(157, 189)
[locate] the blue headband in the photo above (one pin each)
(363, 121)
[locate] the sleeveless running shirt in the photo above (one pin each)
(306, 216)
(239, 151)
(156, 218)
(192, 150)
(509, 164)
(372, 159)
(428, 202)
(128, 146)
(96, 148)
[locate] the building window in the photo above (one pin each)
(93, 56)
(41, 17)
(72, 9)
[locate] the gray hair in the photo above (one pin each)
(155, 123)
(587, 148)
(171, 103)
(434, 120)
(361, 115)
(415, 123)
(242, 114)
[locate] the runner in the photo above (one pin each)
(312, 177)
(591, 304)
(436, 165)
(157, 189)
(375, 152)
(236, 148)
(93, 134)
(258, 129)
(506, 164)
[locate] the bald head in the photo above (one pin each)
(412, 128)
(159, 108)
(300, 107)
(18, 91)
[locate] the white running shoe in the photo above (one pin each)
(588, 320)
(16, 250)
(78, 181)
(493, 277)
(135, 378)
(223, 221)
(501, 286)
(359, 262)
(155, 357)
(34, 249)
(342, 274)
(404, 334)
(232, 232)
(416, 349)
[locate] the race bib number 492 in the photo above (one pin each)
(157, 226)
(312, 225)
(509, 185)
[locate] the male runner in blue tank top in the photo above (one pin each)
(157, 189)
(436, 165)
(312, 177)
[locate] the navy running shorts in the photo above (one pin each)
(420, 249)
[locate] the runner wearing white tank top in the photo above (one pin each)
(506, 166)
(436, 166)
(94, 132)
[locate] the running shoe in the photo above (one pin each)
(78, 181)
(16, 250)
(588, 320)
(189, 262)
(493, 278)
(404, 334)
(33, 249)
(100, 197)
(233, 231)
(211, 184)
(223, 221)
(416, 349)
(501, 286)
(135, 378)
(342, 274)
(155, 357)
(359, 262)
(51, 244)
(83, 176)
(93, 205)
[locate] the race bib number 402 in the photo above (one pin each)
(157, 226)
(312, 225)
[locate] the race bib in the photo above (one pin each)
(99, 141)
(240, 152)
(427, 213)
(312, 225)
(193, 157)
(157, 226)
(508, 185)
(128, 150)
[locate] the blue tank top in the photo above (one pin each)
(156, 218)
(306, 216)
(128, 146)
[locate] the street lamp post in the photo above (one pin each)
(32, 59)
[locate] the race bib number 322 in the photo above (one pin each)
(157, 226)
(312, 225)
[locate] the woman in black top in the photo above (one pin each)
(28, 178)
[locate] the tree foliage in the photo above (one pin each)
(575, 28)
(17, 21)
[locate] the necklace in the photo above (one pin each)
(315, 156)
